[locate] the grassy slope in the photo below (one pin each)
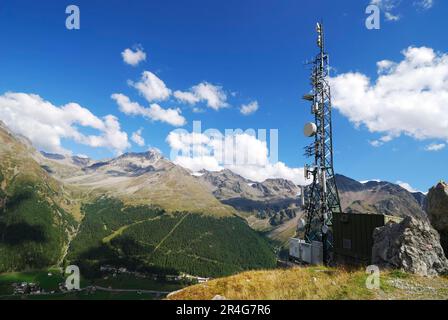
(34, 226)
(149, 239)
(314, 283)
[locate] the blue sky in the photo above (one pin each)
(250, 50)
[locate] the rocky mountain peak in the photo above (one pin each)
(141, 158)
(442, 185)
(379, 197)
(81, 161)
(346, 184)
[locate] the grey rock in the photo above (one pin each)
(437, 206)
(412, 246)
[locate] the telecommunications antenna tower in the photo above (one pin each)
(321, 197)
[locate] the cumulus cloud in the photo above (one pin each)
(151, 87)
(242, 153)
(171, 116)
(46, 124)
(250, 108)
(435, 147)
(154, 112)
(199, 163)
(409, 97)
(213, 95)
(133, 57)
(137, 137)
(186, 97)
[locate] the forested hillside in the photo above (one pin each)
(149, 239)
(34, 228)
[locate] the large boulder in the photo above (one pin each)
(412, 246)
(437, 208)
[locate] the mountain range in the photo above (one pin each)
(380, 197)
(142, 211)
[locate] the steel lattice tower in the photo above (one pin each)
(321, 197)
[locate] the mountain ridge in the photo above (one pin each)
(379, 198)
(36, 232)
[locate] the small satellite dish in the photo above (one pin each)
(310, 129)
(301, 224)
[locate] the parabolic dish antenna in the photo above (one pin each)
(310, 129)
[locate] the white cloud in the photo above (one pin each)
(408, 97)
(199, 163)
(381, 141)
(249, 108)
(424, 4)
(435, 147)
(198, 110)
(137, 137)
(126, 106)
(248, 156)
(46, 124)
(186, 97)
(407, 186)
(384, 66)
(376, 143)
(387, 6)
(132, 57)
(213, 95)
(171, 116)
(151, 87)
(154, 112)
(391, 17)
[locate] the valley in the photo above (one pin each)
(144, 214)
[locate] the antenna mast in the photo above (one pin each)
(321, 197)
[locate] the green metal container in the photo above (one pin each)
(353, 236)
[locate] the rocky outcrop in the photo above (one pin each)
(437, 207)
(412, 246)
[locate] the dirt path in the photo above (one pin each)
(120, 230)
(169, 233)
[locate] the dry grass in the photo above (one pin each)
(311, 283)
(288, 284)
